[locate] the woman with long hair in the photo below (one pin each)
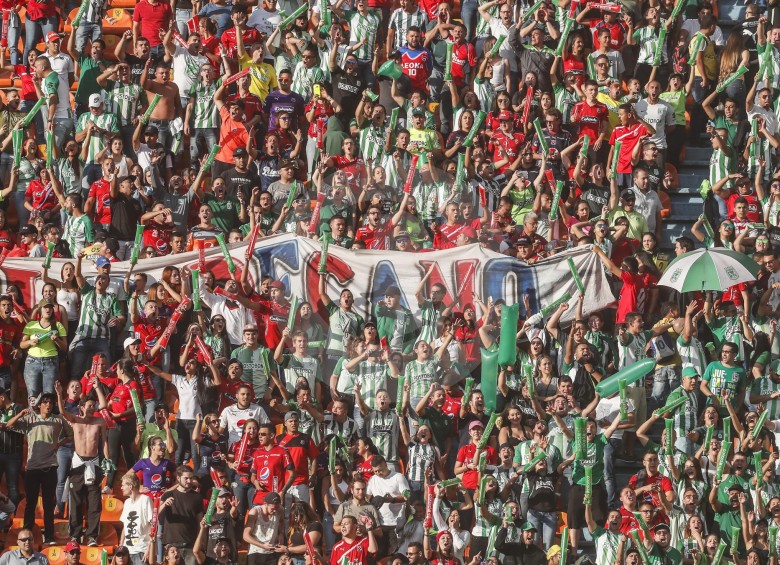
(546, 379)
(115, 148)
(215, 335)
(689, 477)
(211, 445)
(450, 522)
(734, 54)
(68, 296)
(133, 353)
(171, 280)
(30, 166)
(423, 454)
(512, 431)
(756, 536)
(42, 363)
(466, 336)
(724, 236)
(574, 57)
(120, 407)
(646, 36)
(454, 144)
(692, 543)
(364, 451)
(500, 78)
(302, 521)
(243, 489)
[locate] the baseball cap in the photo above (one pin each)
(553, 551)
(130, 341)
(122, 550)
(690, 372)
(131, 178)
(95, 100)
(523, 242)
(272, 498)
(504, 115)
(476, 424)
(225, 492)
(102, 262)
(287, 164)
(71, 545)
(628, 194)
(736, 486)
(250, 327)
(663, 526)
(52, 36)
(28, 230)
(240, 152)
(528, 527)
(418, 111)
(277, 284)
(291, 415)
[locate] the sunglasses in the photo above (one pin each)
(23, 540)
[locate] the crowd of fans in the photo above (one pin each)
(283, 431)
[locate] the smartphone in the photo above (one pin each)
(317, 90)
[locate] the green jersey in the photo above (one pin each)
(296, 368)
(204, 111)
(429, 315)
(363, 27)
(384, 429)
(721, 165)
(96, 311)
(78, 232)
(594, 459)
(607, 543)
(225, 211)
(372, 143)
(396, 326)
(420, 375)
(765, 386)
(254, 367)
(304, 79)
(685, 415)
(97, 142)
(724, 381)
(341, 325)
(372, 375)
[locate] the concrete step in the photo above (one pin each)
(697, 154)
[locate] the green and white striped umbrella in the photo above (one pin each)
(709, 269)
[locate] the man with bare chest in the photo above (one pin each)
(89, 437)
(169, 105)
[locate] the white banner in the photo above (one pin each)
(465, 271)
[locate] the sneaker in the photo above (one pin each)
(107, 490)
(49, 542)
(92, 542)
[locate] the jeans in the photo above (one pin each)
(164, 132)
(698, 117)
(468, 14)
(43, 483)
(34, 30)
(182, 17)
(64, 459)
(11, 465)
(7, 510)
(87, 31)
(6, 166)
(40, 374)
(184, 447)
(63, 130)
(609, 471)
(665, 380)
(81, 353)
(737, 91)
(26, 106)
(14, 33)
(328, 533)
(122, 436)
(208, 139)
(546, 524)
(21, 212)
(244, 493)
(127, 138)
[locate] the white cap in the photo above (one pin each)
(95, 100)
(130, 341)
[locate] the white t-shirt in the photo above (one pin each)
(607, 409)
(264, 21)
(186, 68)
(659, 115)
(232, 415)
(648, 204)
(62, 64)
(395, 484)
(189, 407)
(136, 524)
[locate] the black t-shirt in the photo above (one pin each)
(125, 217)
(222, 526)
(295, 536)
(234, 179)
(347, 91)
(542, 496)
(137, 68)
(595, 196)
(210, 449)
(182, 520)
(268, 170)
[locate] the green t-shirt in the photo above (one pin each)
(90, 69)
(594, 459)
(722, 379)
(660, 556)
(225, 212)
(727, 520)
(45, 348)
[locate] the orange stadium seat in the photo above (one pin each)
(116, 21)
(91, 555)
(112, 509)
(55, 554)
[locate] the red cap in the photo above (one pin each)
(71, 545)
(504, 115)
(52, 36)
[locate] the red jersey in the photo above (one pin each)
(466, 455)
(26, 75)
(149, 332)
(275, 317)
(270, 466)
(375, 238)
(754, 211)
(109, 381)
(650, 495)
(121, 401)
(576, 67)
(227, 393)
(617, 33)
(301, 448)
(252, 103)
(10, 336)
(157, 236)
(153, 18)
(630, 296)
(417, 65)
(365, 469)
(249, 35)
(492, 123)
(321, 110)
(42, 196)
(355, 552)
(510, 144)
(452, 406)
(629, 136)
(245, 465)
(101, 192)
(6, 240)
(463, 55)
(589, 119)
(355, 169)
